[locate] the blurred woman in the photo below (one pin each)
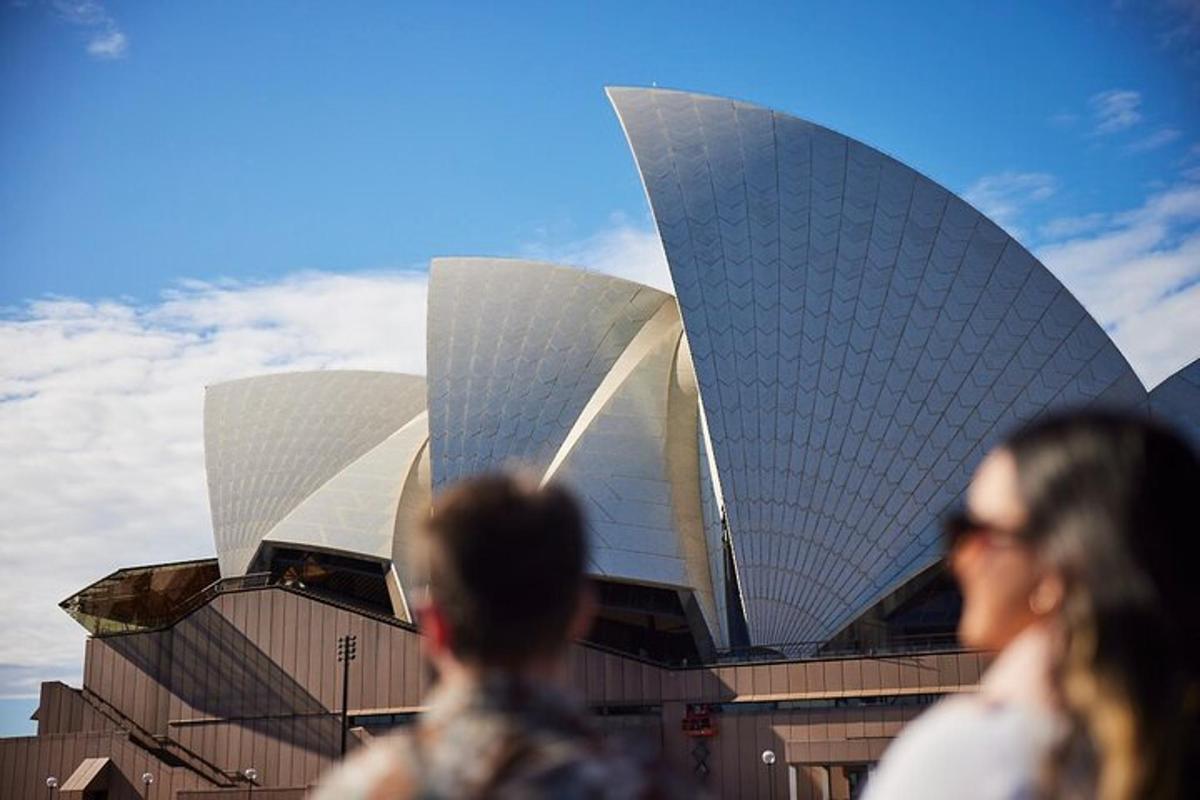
(1075, 556)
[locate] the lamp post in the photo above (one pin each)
(347, 650)
(51, 785)
(251, 776)
(147, 782)
(768, 758)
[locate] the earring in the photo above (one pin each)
(1041, 601)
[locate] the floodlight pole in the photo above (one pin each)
(768, 758)
(347, 650)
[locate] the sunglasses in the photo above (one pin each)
(960, 526)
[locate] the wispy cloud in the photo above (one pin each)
(105, 38)
(111, 44)
(1161, 137)
(1063, 119)
(1004, 197)
(1181, 20)
(1115, 110)
(622, 249)
(1138, 273)
(100, 426)
(1066, 227)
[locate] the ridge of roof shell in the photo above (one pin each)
(1177, 400)
(551, 267)
(298, 372)
(861, 335)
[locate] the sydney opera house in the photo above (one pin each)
(764, 456)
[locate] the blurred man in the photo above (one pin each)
(506, 596)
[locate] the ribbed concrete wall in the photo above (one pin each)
(252, 680)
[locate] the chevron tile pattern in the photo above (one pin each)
(515, 351)
(576, 377)
(860, 335)
(355, 510)
(1177, 401)
(271, 442)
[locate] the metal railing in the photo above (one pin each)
(156, 744)
(815, 650)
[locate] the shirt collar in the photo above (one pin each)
(1021, 672)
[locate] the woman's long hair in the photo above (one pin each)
(1113, 502)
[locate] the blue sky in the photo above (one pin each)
(250, 140)
(193, 192)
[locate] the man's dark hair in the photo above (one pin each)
(505, 561)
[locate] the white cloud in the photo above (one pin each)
(1115, 110)
(1138, 273)
(1005, 196)
(110, 44)
(1065, 227)
(101, 428)
(81, 12)
(107, 40)
(623, 249)
(1159, 138)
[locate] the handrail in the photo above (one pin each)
(155, 743)
(814, 650)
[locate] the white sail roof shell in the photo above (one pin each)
(317, 458)
(1177, 401)
(574, 376)
(861, 336)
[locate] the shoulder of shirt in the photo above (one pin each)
(933, 750)
(382, 762)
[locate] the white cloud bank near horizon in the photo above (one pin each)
(100, 424)
(101, 402)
